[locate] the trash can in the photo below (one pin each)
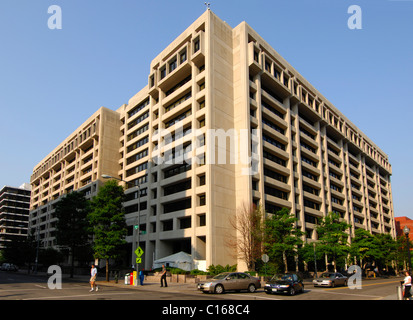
(127, 278)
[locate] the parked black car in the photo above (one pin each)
(289, 283)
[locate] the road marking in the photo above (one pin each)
(38, 285)
(363, 285)
(256, 297)
(342, 293)
(81, 295)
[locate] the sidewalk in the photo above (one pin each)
(153, 286)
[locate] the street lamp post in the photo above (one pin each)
(137, 222)
(406, 232)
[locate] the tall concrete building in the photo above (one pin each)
(224, 121)
(76, 164)
(14, 214)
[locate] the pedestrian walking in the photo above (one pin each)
(163, 276)
(407, 284)
(93, 275)
(141, 277)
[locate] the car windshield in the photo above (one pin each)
(327, 275)
(287, 277)
(220, 276)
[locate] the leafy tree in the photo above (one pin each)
(387, 247)
(307, 253)
(107, 220)
(72, 224)
(281, 236)
(21, 251)
(333, 239)
(363, 247)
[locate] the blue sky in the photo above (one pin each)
(51, 81)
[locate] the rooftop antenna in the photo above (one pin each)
(208, 5)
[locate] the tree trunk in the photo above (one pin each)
(285, 262)
(107, 270)
(72, 265)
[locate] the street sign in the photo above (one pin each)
(138, 260)
(139, 252)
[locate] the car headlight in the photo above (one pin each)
(284, 286)
(208, 284)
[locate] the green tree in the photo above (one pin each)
(308, 253)
(364, 247)
(281, 236)
(333, 238)
(72, 224)
(21, 251)
(107, 220)
(387, 247)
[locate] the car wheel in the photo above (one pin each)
(292, 291)
(345, 283)
(333, 284)
(219, 289)
(251, 288)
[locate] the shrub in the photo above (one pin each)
(214, 270)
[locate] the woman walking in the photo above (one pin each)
(407, 285)
(93, 275)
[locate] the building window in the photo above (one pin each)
(202, 180)
(256, 56)
(275, 192)
(311, 204)
(177, 205)
(167, 225)
(163, 73)
(178, 187)
(202, 199)
(202, 105)
(185, 223)
(172, 65)
(182, 56)
(197, 45)
(202, 220)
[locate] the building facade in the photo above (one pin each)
(224, 121)
(14, 214)
(402, 222)
(76, 164)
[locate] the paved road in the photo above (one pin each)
(17, 286)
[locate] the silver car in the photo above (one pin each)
(330, 279)
(229, 281)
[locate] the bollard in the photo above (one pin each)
(399, 293)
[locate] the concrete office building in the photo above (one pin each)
(217, 84)
(76, 164)
(14, 214)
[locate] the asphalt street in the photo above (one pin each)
(21, 286)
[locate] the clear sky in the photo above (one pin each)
(51, 81)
